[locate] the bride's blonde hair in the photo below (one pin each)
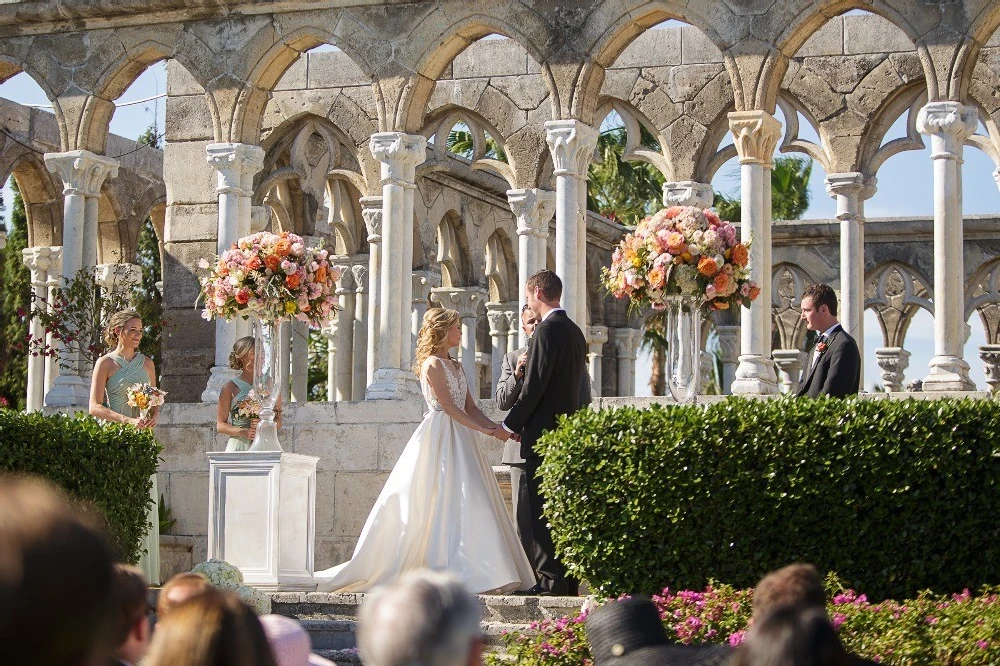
(433, 331)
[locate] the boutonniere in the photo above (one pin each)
(821, 347)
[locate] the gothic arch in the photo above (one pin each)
(788, 282)
(635, 121)
(40, 191)
(441, 123)
(453, 251)
(983, 296)
(874, 150)
(981, 28)
(501, 268)
(895, 291)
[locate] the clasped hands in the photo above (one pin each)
(503, 434)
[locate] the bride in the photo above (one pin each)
(441, 507)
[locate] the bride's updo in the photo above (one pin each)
(434, 329)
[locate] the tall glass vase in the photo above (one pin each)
(683, 347)
(266, 383)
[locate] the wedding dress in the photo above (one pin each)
(440, 509)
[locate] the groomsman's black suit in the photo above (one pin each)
(552, 380)
(837, 372)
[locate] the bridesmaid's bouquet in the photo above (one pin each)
(682, 250)
(248, 408)
(273, 276)
(144, 397)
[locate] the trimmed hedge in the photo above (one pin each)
(107, 465)
(895, 496)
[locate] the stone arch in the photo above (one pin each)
(874, 153)
(610, 38)
(40, 191)
(983, 296)
(453, 251)
(501, 268)
(711, 157)
(788, 282)
(894, 291)
(447, 43)
(981, 29)
(265, 73)
(440, 125)
(634, 122)
(11, 66)
(791, 142)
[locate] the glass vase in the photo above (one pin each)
(266, 383)
(683, 335)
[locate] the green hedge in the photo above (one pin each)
(895, 496)
(104, 464)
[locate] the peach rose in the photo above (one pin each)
(676, 243)
(707, 266)
(283, 247)
(656, 278)
(754, 292)
(723, 283)
(740, 255)
(273, 262)
(254, 263)
(292, 281)
(321, 274)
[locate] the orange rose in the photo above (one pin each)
(292, 281)
(754, 292)
(723, 284)
(321, 274)
(283, 247)
(273, 262)
(254, 263)
(740, 255)
(707, 267)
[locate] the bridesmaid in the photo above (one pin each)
(240, 430)
(113, 374)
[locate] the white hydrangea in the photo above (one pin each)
(221, 574)
(255, 599)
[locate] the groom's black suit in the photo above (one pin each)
(556, 363)
(837, 373)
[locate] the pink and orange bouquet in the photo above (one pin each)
(248, 408)
(682, 250)
(273, 276)
(144, 397)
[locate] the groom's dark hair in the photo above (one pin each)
(822, 294)
(548, 283)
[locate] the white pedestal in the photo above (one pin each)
(261, 516)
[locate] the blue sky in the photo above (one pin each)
(905, 187)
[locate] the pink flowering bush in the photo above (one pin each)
(273, 276)
(956, 630)
(682, 250)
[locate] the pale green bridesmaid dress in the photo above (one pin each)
(128, 373)
(238, 443)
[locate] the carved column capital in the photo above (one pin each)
(498, 320)
(39, 261)
(399, 153)
(950, 123)
(108, 275)
(597, 337)
(893, 361)
(533, 209)
(755, 135)
(688, 193)
(236, 164)
(571, 143)
(81, 171)
(729, 343)
(260, 216)
(466, 300)
(360, 278)
(423, 283)
(371, 211)
(627, 342)
(990, 355)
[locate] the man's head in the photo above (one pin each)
(819, 307)
(543, 291)
(794, 585)
(56, 572)
(529, 320)
(130, 619)
(179, 589)
(427, 618)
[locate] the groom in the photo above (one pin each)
(835, 364)
(552, 379)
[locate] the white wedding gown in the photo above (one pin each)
(440, 509)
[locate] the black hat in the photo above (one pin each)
(629, 632)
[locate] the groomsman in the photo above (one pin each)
(553, 376)
(835, 363)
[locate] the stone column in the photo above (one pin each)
(688, 193)
(371, 211)
(626, 343)
(38, 262)
(729, 343)
(285, 359)
(236, 164)
(359, 379)
(467, 300)
(990, 354)
(82, 173)
(54, 282)
(893, 361)
(298, 374)
(399, 154)
(850, 190)
(346, 297)
(572, 144)
(499, 328)
(789, 364)
(330, 333)
(512, 311)
(533, 209)
(755, 134)
(948, 124)
(597, 337)
(423, 283)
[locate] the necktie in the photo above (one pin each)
(816, 355)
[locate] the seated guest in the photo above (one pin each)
(178, 589)
(290, 642)
(427, 618)
(792, 636)
(56, 570)
(629, 632)
(130, 616)
(213, 628)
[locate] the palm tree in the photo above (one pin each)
(460, 142)
(621, 190)
(789, 191)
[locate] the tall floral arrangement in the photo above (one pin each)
(273, 276)
(682, 250)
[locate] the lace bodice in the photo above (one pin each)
(457, 386)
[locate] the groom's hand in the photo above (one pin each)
(501, 433)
